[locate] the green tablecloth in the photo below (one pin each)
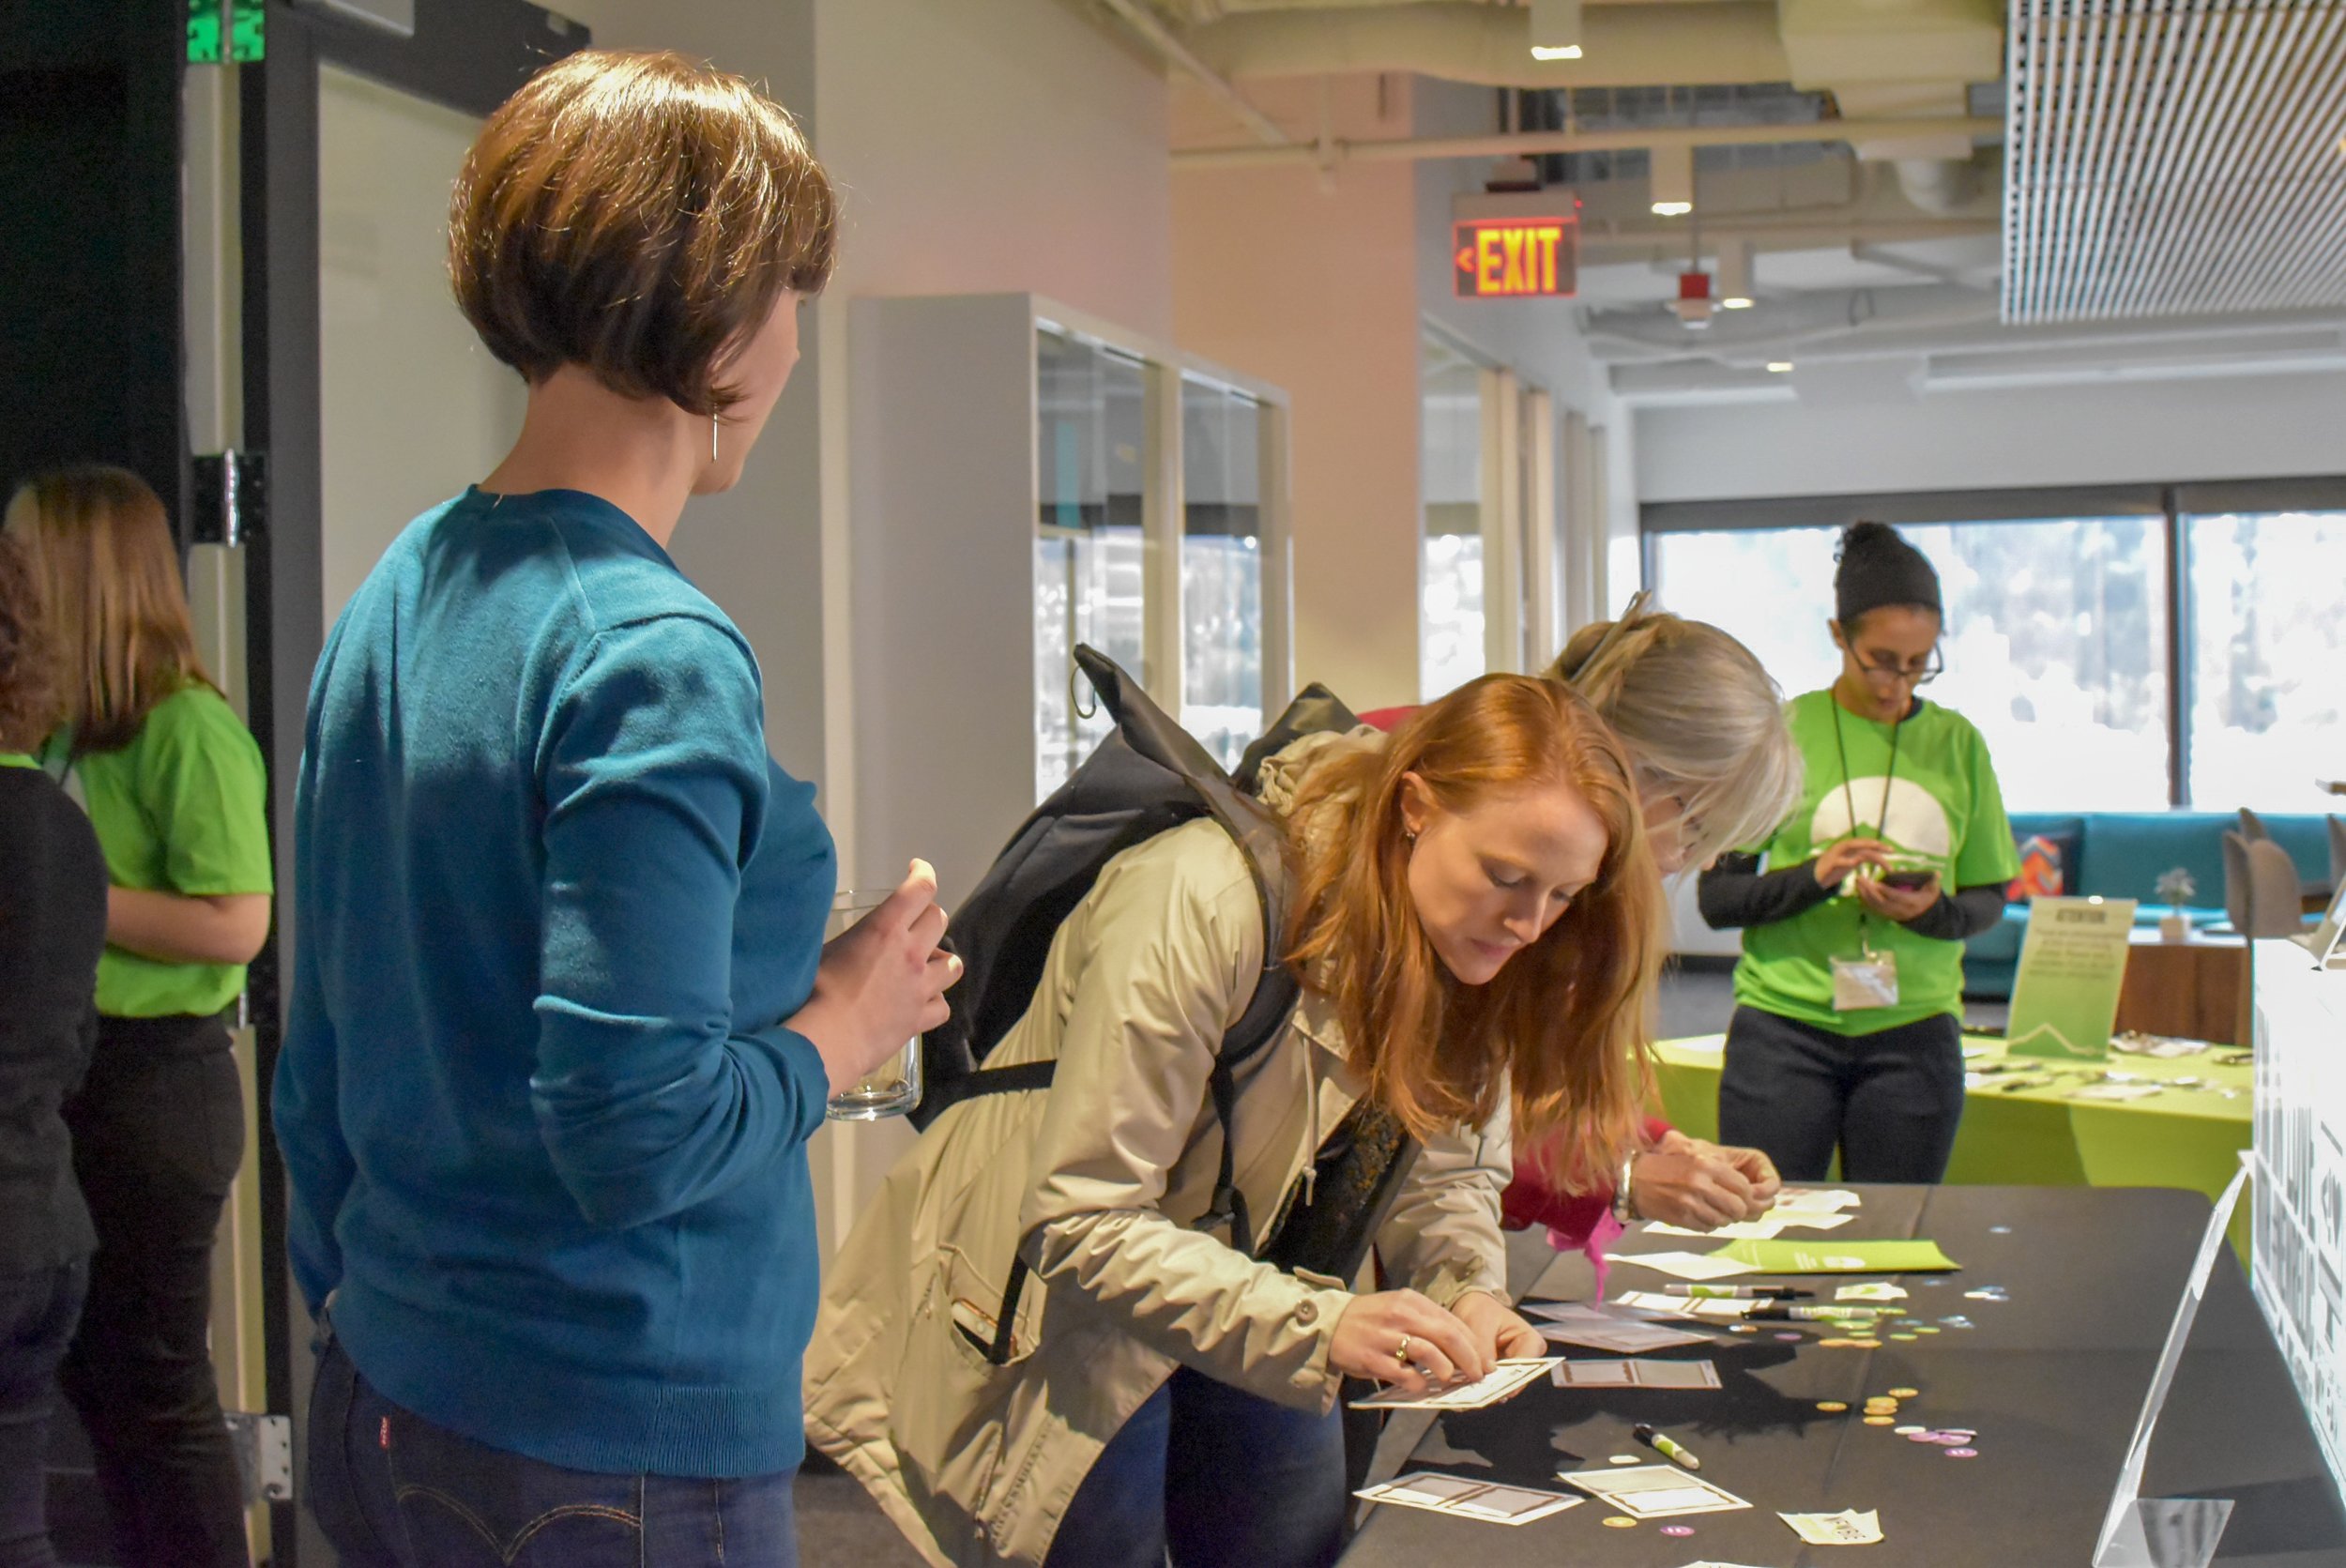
(2188, 1136)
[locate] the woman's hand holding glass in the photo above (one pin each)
(881, 983)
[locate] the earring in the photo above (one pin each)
(712, 439)
(1408, 835)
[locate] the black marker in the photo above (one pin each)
(1666, 1448)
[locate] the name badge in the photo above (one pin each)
(1871, 980)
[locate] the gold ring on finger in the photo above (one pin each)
(1402, 1355)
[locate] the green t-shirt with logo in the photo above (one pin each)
(1942, 807)
(182, 809)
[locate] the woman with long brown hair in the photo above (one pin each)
(1477, 937)
(174, 787)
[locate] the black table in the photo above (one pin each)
(2052, 1378)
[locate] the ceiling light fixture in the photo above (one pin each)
(1781, 367)
(1555, 29)
(1736, 275)
(1673, 172)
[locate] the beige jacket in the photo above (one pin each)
(1101, 1177)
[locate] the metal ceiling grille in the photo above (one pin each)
(2174, 158)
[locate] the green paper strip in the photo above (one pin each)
(1839, 1258)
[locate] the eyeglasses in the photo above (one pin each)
(1900, 674)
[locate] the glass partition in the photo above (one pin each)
(1089, 553)
(1222, 620)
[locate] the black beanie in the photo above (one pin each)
(1879, 568)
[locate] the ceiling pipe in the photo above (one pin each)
(1172, 50)
(1622, 46)
(1533, 144)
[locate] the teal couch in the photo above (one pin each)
(2123, 855)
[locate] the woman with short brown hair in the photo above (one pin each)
(1477, 936)
(177, 789)
(562, 1017)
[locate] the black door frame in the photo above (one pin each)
(464, 55)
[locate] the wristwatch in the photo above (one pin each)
(1624, 1203)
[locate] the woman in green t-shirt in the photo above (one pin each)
(174, 787)
(1849, 997)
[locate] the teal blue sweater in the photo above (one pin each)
(545, 1131)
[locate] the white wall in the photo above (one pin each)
(2238, 426)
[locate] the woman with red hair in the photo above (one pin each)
(1478, 930)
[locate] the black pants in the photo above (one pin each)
(157, 1135)
(38, 1312)
(1889, 1101)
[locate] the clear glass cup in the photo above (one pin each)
(892, 1087)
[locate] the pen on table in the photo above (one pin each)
(1739, 1292)
(1666, 1448)
(1777, 1310)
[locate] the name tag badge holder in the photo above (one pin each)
(1869, 980)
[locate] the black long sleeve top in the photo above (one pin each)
(1735, 892)
(52, 927)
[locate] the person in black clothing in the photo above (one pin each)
(52, 927)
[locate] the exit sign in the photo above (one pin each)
(1514, 258)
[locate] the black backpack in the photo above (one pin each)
(1147, 776)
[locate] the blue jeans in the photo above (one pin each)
(1222, 1478)
(392, 1490)
(38, 1312)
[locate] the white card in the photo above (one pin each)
(1583, 1325)
(1800, 1219)
(1687, 1264)
(1633, 1374)
(1653, 1491)
(1511, 1379)
(1809, 1200)
(1873, 1290)
(1848, 1527)
(1714, 1309)
(1470, 1500)
(1741, 1230)
(2115, 1091)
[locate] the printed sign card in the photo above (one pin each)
(2073, 963)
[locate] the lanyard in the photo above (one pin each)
(1848, 796)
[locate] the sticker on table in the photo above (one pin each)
(1871, 1290)
(1512, 1379)
(1630, 1374)
(1692, 1265)
(1653, 1491)
(1470, 1500)
(1848, 1527)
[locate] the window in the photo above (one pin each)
(2267, 657)
(1449, 577)
(2055, 642)
(1160, 540)
(1222, 620)
(1088, 558)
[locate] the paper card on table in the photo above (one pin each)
(1839, 1257)
(1872, 1290)
(1691, 1265)
(1717, 1309)
(2115, 1091)
(1470, 1500)
(1814, 1200)
(1848, 1527)
(1741, 1230)
(1601, 1330)
(1633, 1374)
(1511, 1379)
(1653, 1491)
(1813, 1222)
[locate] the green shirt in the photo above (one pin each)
(180, 810)
(1943, 807)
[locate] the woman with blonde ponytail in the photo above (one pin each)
(1478, 932)
(1703, 726)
